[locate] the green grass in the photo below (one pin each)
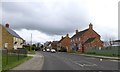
(11, 58)
(31, 52)
(11, 65)
(94, 53)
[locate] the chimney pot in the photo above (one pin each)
(67, 35)
(90, 26)
(7, 25)
(76, 31)
(62, 37)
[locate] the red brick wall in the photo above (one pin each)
(90, 34)
(66, 43)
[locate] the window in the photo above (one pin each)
(79, 39)
(6, 45)
(76, 39)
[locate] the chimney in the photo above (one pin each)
(76, 31)
(7, 25)
(90, 26)
(67, 35)
(62, 37)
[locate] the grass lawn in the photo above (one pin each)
(12, 62)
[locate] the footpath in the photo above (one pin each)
(35, 63)
(102, 57)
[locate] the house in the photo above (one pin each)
(64, 43)
(116, 43)
(47, 45)
(86, 39)
(54, 45)
(9, 38)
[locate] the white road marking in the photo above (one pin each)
(115, 60)
(101, 59)
(82, 65)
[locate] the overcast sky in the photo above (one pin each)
(50, 19)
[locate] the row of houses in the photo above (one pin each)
(80, 41)
(9, 39)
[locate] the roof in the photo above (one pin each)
(116, 41)
(54, 42)
(79, 33)
(13, 32)
(89, 40)
(62, 39)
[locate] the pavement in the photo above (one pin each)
(103, 57)
(35, 63)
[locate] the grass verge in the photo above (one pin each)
(110, 55)
(7, 67)
(31, 52)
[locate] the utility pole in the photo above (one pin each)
(31, 38)
(31, 43)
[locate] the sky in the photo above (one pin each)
(48, 20)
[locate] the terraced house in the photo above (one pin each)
(64, 43)
(9, 39)
(86, 39)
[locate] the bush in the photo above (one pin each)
(63, 50)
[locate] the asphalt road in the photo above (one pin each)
(66, 61)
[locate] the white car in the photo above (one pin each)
(53, 50)
(48, 50)
(43, 50)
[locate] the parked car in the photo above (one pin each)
(48, 50)
(43, 50)
(53, 50)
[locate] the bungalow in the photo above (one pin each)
(85, 39)
(9, 39)
(64, 43)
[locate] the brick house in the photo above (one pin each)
(54, 45)
(64, 43)
(86, 39)
(9, 38)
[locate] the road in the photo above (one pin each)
(66, 61)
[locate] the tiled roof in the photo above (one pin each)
(13, 32)
(79, 33)
(54, 42)
(89, 40)
(62, 39)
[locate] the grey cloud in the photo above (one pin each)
(57, 18)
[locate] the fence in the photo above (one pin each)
(13, 56)
(110, 51)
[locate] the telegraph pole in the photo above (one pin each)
(31, 43)
(31, 38)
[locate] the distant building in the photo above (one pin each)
(10, 39)
(47, 45)
(116, 43)
(54, 45)
(86, 39)
(64, 43)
